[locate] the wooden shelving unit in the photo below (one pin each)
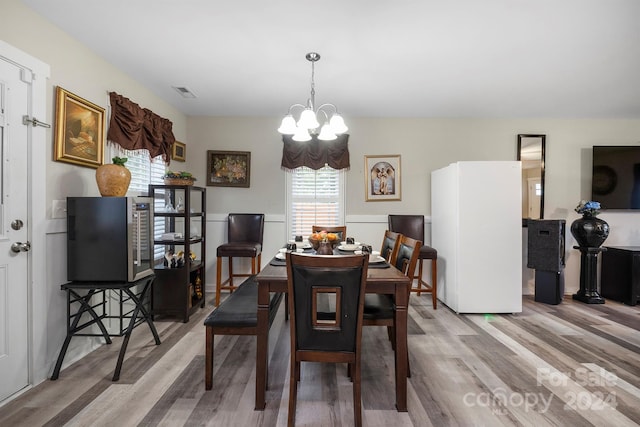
(178, 291)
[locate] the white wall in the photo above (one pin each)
(79, 70)
(424, 144)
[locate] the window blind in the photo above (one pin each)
(144, 171)
(314, 198)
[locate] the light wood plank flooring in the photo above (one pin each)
(570, 365)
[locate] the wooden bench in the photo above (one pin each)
(236, 315)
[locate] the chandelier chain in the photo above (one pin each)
(313, 85)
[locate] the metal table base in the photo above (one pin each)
(85, 303)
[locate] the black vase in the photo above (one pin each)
(590, 231)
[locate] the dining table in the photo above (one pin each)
(381, 278)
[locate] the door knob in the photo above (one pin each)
(17, 224)
(20, 247)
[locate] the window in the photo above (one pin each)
(144, 171)
(314, 198)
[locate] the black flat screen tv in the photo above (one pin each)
(615, 181)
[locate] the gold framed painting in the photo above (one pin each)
(382, 178)
(228, 168)
(79, 135)
(179, 151)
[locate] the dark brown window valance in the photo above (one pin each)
(315, 153)
(136, 128)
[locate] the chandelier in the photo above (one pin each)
(308, 123)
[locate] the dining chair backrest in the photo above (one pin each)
(389, 246)
(406, 255)
(340, 230)
(245, 227)
(310, 278)
(408, 225)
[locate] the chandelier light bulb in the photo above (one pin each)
(337, 124)
(288, 125)
(326, 133)
(308, 119)
(301, 135)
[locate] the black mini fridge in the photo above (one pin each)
(109, 238)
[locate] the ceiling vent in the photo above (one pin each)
(184, 92)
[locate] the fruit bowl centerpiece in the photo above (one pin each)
(316, 238)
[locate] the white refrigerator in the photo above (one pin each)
(476, 226)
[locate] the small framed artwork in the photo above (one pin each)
(79, 137)
(382, 178)
(228, 168)
(179, 151)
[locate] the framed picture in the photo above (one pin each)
(382, 177)
(228, 168)
(79, 137)
(179, 151)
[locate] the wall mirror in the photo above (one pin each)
(531, 150)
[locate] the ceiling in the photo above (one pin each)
(402, 58)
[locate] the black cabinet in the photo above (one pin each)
(620, 275)
(179, 230)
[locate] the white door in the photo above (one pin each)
(534, 192)
(14, 255)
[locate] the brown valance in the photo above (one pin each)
(136, 128)
(315, 153)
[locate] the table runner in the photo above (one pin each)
(282, 263)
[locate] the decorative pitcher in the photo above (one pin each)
(325, 248)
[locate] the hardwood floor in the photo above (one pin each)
(572, 364)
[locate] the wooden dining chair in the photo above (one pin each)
(340, 230)
(314, 336)
(413, 226)
(379, 309)
(389, 248)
